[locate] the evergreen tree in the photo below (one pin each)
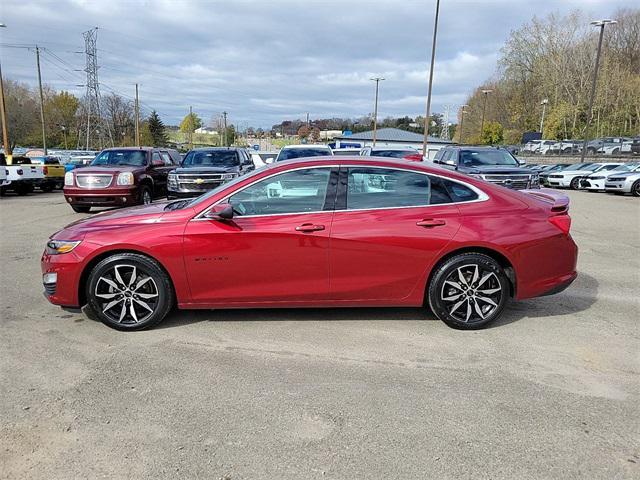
(156, 129)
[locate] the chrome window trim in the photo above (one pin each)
(482, 196)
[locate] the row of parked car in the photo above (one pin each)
(612, 177)
(599, 146)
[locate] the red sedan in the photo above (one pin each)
(323, 232)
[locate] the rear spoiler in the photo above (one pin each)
(559, 201)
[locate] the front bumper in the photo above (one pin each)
(67, 268)
(590, 184)
(559, 182)
(622, 187)
(102, 197)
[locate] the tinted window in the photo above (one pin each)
(156, 157)
(393, 153)
(136, 158)
(291, 153)
(477, 158)
(387, 188)
(458, 191)
(166, 159)
(292, 192)
(211, 158)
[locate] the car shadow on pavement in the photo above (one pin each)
(578, 297)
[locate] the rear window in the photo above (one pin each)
(291, 153)
(393, 153)
(211, 158)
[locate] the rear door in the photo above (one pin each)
(388, 229)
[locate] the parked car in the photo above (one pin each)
(120, 177)
(492, 164)
(626, 182)
(346, 151)
(390, 233)
(635, 146)
(594, 145)
(78, 161)
(570, 177)
(548, 170)
(53, 172)
(205, 168)
(548, 147)
(22, 176)
(531, 146)
(299, 151)
(260, 159)
(570, 147)
(619, 149)
(4, 173)
(392, 152)
(595, 182)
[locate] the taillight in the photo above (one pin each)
(563, 222)
(45, 170)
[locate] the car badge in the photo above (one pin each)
(199, 181)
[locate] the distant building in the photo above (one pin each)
(329, 134)
(393, 137)
(207, 130)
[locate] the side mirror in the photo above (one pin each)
(220, 212)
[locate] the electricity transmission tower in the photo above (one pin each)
(444, 133)
(95, 126)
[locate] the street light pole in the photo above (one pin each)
(601, 24)
(486, 93)
(3, 114)
(375, 109)
(462, 112)
(44, 131)
(544, 107)
(433, 60)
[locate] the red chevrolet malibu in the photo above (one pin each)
(324, 232)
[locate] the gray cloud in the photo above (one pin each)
(271, 60)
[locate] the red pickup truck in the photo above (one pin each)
(120, 177)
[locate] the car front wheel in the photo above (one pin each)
(128, 291)
(575, 183)
(635, 189)
(468, 291)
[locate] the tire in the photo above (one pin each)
(635, 189)
(129, 291)
(145, 195)
(575, 183)
(23, 189)
(591, 151)
(80, 209)
(46, 187)
(460, 307)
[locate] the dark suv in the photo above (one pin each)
(120, 177)
(205, 168)
(495, 165)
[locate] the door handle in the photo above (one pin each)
(309, 227)
(431, 222)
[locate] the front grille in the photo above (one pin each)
(519, 182)
(556, 176)
(198, 183)
(616, 179)
(93, 181)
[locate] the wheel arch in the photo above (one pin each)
(499, 257)
(84, 276)
(147, 181)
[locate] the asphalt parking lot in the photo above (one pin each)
(550, 391)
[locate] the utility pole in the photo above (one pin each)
(3, 115)
(137, 104)
(433, 60)
(462, 112)
(544, 108)
(224, 114)
(486, 93)
(375, 109)
(191, 127)
(44, 132)
(601, 24)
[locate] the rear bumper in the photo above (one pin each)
(105, 197)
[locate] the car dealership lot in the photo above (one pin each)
(549, 390)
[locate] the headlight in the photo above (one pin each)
(229, 176)
(125, 178)
(68, 179)
(56, 247)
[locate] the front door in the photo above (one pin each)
(274, 250)
(390, 229)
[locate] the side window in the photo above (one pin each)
(298, 191)
(459, 192)
(166, 159)
(386, 188)
(155, 157)
(439, 155)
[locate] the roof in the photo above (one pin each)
(392, 135)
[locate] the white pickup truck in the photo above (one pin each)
(22, 177)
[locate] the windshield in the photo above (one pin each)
(478, 158)
(291, 153)
(211, 158)
(134, 158)
(393, 153)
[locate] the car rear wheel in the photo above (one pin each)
(635, 189)
(145, 196)
(128, 291)
(468, 291)
(80, 209)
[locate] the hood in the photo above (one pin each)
(113, 169)
(142, 214)
(204, 170)
(496, 170)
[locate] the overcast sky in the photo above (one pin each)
(265, 61)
